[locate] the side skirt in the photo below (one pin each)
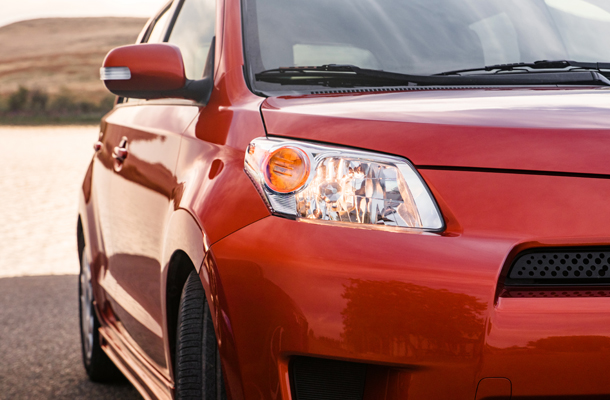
(150, 384)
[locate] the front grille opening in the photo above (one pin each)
(322, 379)
(563, 266)
(546, 293)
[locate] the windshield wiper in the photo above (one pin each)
(542, 64)
(336, 75)
(333, 75)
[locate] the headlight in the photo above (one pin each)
(334, 185)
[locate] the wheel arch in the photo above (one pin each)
(183, 252)
(178, 272)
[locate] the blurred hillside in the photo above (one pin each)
(61, 54)
(49, 68)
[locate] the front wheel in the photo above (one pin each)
(198, 368)
(97, 364)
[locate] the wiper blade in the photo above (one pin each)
(335, 75)
(542, 64)
(331, 75)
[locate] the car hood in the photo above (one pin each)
(552, 130)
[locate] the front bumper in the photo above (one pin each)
(424, 309)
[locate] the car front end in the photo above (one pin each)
(321, 303)
(398, 200)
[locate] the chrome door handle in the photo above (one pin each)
(97, 146)
(120, 152)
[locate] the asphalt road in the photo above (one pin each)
(40, 354)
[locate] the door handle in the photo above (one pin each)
(120, 152)
(97, 146)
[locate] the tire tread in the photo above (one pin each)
(198, 366)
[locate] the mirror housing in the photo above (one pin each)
(153, 71)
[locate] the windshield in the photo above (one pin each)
(420, 37)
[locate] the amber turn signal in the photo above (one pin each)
(286, 169)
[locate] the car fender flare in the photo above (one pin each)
(182, 235)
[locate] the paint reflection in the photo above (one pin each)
(572, 344)
(404, 319)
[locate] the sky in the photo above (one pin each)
(18, 10)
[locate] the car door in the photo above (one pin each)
(141, 143)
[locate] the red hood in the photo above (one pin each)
(539, 130)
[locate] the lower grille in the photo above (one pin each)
(573, 266)
(516, 293)
(320, 379)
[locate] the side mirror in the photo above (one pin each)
(153, 71)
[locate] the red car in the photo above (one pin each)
(364, 199)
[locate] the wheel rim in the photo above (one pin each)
(86, 307)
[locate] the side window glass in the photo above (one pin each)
(193, 33)
(157, 33)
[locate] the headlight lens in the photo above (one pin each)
(333, 185)
(286, 169)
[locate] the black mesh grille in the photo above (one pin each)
(320, 379)
(561, 266)
(556, 293)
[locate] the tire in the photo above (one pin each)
(198, 367)
(98, 366)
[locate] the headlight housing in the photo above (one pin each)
(335, 185)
